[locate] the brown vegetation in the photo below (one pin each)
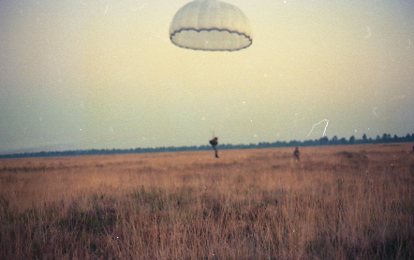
(336, 203)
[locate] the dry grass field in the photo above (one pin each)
(338, 202)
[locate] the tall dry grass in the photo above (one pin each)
(351, 202)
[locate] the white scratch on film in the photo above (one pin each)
(142, 6)
(374, 111)
(326, 121)
(368, 35)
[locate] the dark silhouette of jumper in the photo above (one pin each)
(214, 142)
(296, 153)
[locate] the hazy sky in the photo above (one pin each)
(78, 74)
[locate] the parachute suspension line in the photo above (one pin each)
(212, 133)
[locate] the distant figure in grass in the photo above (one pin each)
(412, 150)
(296, 153)
(214, 143)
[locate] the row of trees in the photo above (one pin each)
(385, 138)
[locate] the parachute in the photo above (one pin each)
(210, 25)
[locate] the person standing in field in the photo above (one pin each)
(296, 153)
(214, 142)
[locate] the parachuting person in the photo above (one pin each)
(210, 25)
(296, 153)
(214, 142)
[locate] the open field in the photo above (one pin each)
(338, 202)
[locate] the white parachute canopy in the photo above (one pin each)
(210, 25)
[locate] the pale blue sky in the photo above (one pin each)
(103, 74)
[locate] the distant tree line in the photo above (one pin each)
(385, 138)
